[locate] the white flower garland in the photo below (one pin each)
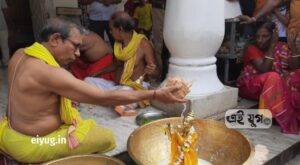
(186, 147)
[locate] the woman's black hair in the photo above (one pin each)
(270, 26)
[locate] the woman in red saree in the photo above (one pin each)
(263, 78)
(293, 79)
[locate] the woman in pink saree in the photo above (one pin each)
(263, 78)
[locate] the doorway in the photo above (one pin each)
(19, 24)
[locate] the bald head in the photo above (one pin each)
(123, 21)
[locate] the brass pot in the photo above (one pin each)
(148, 145)
(86, 159)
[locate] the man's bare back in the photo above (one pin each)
(32, 104)
(93, 47)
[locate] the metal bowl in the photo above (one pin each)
(149, 116)
(86, 159)
(148, 145)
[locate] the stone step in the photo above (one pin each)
(203, 106)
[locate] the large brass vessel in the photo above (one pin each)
(148, 145)
(86, 159)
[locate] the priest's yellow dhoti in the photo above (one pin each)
(30, 149)
(75, 136)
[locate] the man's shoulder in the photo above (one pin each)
(145, 47)
(38, 67)
(31, 71)
(145, 40)
(19, 51)
(92, 38)
(16, 56)
(145, 43)
(42, 73)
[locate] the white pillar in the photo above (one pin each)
(193, 33)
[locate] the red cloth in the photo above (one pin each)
(293, 83)
(252, 53)
(274, 92)
(81, 69)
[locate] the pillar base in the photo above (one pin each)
(203, 78)
(203, 106)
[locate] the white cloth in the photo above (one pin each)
(110, 85)
(120, 6)
(99, 12)
(3, 5)
(280, 26)
(4, 46)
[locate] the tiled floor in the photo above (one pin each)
(268, 143)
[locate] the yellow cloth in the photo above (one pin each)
(144, 16)
(28, 149)
(262, 103)
(294, 15)
(128, 56)
(294, 23)
(190, 154)
(75, 131)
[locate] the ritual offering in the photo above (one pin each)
(183, 140)
(184, 86)
(188, 140)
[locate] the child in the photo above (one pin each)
(143, 17)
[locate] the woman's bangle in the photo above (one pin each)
(295, 56)
(267, 57)
(154, 95)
